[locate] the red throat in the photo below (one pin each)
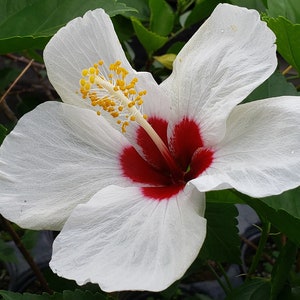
(160, 178)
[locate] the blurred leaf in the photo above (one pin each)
(28, 103)
(288, 36)
(176, 47)
(66, 295)
(183, 5)
(283, 211)
(150, 40)
(3, 132)
(282, 268)
(202, 10)
(123, 28)
(162, 17)
(290, 9)
(7, 76)
(259, 5)
(275, 85)
(222, 233)
(166, 60)
(141, 7)
(7, 253)
(29, 238)
(21, 27)
(60, 284)
(295, 293)
(256, 289)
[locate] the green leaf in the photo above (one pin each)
(256, 289)
(275, 85)
(287, 201)
(3, 132)
(202, 10)
(66, 295)
(21, 27)
(222, 233)
(224, 196)
(150, 40)
(162, 17)
(287, 41)
(290, 9)
(283, 211)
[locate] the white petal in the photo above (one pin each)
(83, 42)
(260, 154)
(56, 157)
(227, 58)
(124, 241)
(77, 46)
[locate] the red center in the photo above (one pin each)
(186, 148)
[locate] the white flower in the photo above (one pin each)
(130, 205)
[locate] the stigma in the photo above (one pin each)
(112, 93)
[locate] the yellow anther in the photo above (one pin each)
(112, 93)
(82, 82)
(87, 86)
(131, 104)
(92, 70)
(145, 116)
(124, 125)
(142, 93)
(120, 82)
(98, 113)
(84, 72)
(115, 114)
(92, 79)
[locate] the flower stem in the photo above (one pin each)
(15, 237)
(16, 80)
(224, 273)
(261, 245)
(286, 70)
(221, 283)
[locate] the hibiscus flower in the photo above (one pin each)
(121, 167)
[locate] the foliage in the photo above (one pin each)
(152, 32)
